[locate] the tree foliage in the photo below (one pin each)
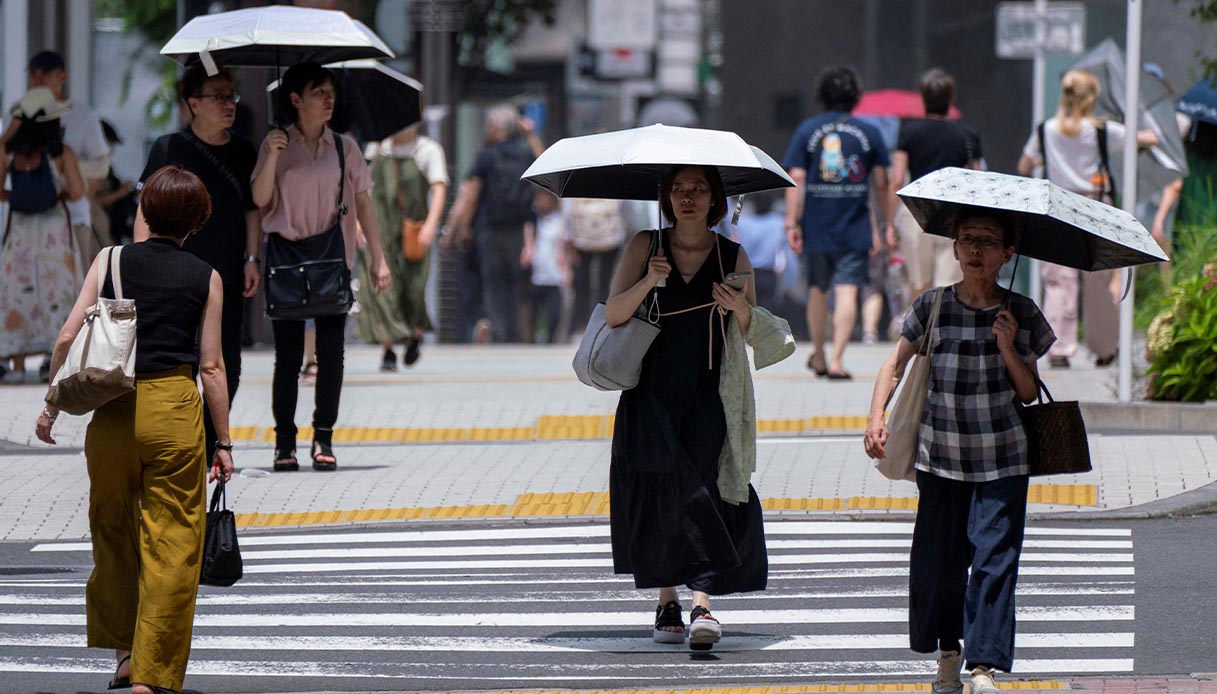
(486, 22)
(1205, 12)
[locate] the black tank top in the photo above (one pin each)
(170, 287)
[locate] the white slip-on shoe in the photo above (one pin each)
(947, 682)
(982, 681)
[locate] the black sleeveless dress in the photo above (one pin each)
(669, 525)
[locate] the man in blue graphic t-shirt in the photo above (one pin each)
(835, 161)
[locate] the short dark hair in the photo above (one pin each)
(192, 81)
(46, 61)
(718, 194)
(32, 137)
(298, 79)
(1009, 230)
(838, 89)
(937, 91)
(174, 202)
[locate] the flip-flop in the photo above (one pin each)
(120, 682)
(838, 376)
(811, 366)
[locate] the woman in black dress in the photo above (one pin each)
(669, 524)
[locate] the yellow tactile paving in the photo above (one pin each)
(597, 503)
(1029, 685)
(547, 428)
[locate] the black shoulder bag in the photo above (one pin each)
(309, 278)
(222, 564)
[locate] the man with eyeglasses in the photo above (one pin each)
(230, 239)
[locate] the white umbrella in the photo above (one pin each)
(1057, 226)
(272, 36)
(630, 164)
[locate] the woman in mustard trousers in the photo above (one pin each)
(145, 451)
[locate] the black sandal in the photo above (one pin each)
(285, 458)
(323, 449)
(669, 615)
(120, 682)
(704, 629)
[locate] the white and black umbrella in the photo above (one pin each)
(273, 36)
(1056, 226)
(630, 164)
(374, 100)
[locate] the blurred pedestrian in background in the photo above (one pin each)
(231, 238)
(1073, 148)
(543, 255)
(83, 134)
(972, 457)
(595, 234)
(925, 145)
(489, 214)
(835, 161)
(409, 185)
(144, 450)
(41, 270)
(296, 185)
(761, 232)
(671, 525)
(116, 199)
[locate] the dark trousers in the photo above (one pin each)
(469, 293)
(592, 280)
(289, 357)
(505, 285)
(547, 308)
(962, 524)
(232, 320)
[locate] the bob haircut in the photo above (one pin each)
(1009, 230)
(718, 194)
(175, 202)
(298, 79)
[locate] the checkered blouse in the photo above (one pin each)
(970, 430)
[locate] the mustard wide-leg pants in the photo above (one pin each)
(147, 513)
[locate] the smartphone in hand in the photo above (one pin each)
(737, 280)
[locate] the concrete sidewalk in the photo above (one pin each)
(509, 432)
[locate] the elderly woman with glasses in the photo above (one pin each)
(972, 454)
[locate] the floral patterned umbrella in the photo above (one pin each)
(1056, 226)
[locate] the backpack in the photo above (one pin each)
(506, 198)
(33, 191)
(1104, 183)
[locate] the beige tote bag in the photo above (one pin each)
(904, 418)
(100, 365)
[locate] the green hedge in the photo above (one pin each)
(1182, 334)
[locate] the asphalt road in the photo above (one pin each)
(483, 606)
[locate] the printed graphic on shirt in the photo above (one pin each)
(835, 166)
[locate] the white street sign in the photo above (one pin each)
(613, 24)
(1064, 29)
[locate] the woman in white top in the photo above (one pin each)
(1074, 162)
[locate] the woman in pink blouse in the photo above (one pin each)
(296, 185)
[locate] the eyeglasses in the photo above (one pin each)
(984, 243)
(221, 98)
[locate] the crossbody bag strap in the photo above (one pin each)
(1105, 160)
(215, 161)
(924, 347)
(1039, 129)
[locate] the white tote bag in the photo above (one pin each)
(100, 365)
(904, 418)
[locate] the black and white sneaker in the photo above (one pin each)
(389, 361)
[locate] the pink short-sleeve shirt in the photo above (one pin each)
(305, 199)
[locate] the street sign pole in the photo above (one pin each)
(1132, 92)
(1035, 286)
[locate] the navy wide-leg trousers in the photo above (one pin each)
(962, 524)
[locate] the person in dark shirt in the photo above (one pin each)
(924, 146)
(144, 451)
(230, 239)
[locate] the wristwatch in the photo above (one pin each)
(223, 446)
(253, 259)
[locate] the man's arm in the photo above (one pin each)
(460, 217)
(900, 167)
(794, 208)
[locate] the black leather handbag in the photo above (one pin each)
(310, 278)
(222, 564)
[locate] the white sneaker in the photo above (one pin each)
(982, 681)
(947, 682)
